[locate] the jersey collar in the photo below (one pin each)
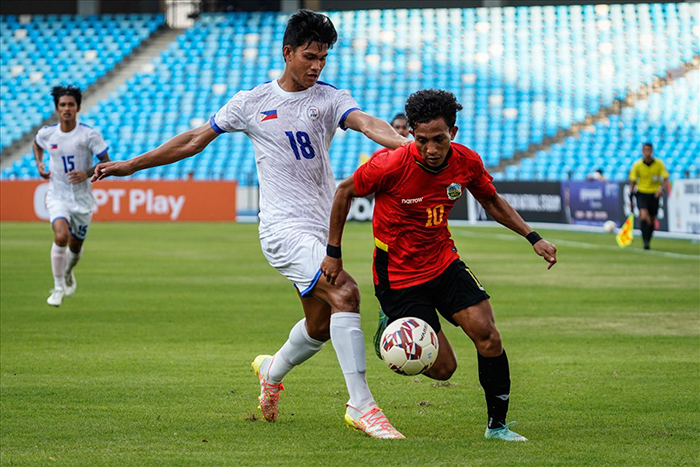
(431, 170)
(282, 92)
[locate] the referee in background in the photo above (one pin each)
(649, 176)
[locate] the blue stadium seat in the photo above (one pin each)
(521, 73)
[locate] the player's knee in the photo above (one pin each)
(490, 345)
(444, 372)
(61, 238)
(347, 297)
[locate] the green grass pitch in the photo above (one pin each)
(149, 363)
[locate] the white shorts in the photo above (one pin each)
(78, 219)
(297, 255)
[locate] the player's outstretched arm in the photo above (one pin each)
(375, 129)
(503, 213)
(332, 264)
(38, 157)
(184, 145)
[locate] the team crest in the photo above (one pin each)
(313, 113)
(454, 191)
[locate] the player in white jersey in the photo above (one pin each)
(71, 147)
(291, 122)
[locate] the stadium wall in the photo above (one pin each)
(582, 205)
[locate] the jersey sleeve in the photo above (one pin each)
(481, 185)
(369, 176)
(97, 144)
(664, 172)
(230, 117)
(344, 104)
(634, 173)
(39, 139)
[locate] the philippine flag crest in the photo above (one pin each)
(54, 146)
(266, 115)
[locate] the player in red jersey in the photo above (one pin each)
(416, 266)
(398, 123)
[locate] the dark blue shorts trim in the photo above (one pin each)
(61, 217)
(307, 292)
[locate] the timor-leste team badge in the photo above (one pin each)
(454, 191)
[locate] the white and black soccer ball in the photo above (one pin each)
(409, 346)
(609, 227)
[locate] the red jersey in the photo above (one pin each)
(381, 151)
(412, 201)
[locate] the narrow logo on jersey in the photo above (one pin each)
(454, 191)
(313, 113)
(268, 115)
(54, 146)
(412, 201)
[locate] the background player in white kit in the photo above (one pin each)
(71, 147)
(291, 122)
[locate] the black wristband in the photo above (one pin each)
(333, 251)
(533, 237)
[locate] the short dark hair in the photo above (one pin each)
(66, 90)
(428, 104)
(306, 26)
(399, 116)
(648, 144)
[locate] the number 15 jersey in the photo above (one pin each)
(71, 151)
(291, 133)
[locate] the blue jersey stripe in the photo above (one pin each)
(341, 124)
(214, 126)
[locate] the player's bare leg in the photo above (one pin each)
(446, 362)
(58, 260)
(362, 412)
(73, 254)
(305, 339)
(479, 324)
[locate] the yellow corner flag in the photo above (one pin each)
(626, 234)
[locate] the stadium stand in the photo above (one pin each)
(669, 119)
(522, 75)
(43, 50)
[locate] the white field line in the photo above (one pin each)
(584, 245)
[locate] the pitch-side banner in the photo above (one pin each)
(684, 207)
(535, 201)
(129, 200)
(592, 202)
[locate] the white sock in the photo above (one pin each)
(349, 343)
(58, 266)
(299, 348)
(72, 260)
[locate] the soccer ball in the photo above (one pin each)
(409, 346)
(609, 226)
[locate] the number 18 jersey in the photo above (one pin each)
(291, 133)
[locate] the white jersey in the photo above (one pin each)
(291, 133)
(71, 151)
